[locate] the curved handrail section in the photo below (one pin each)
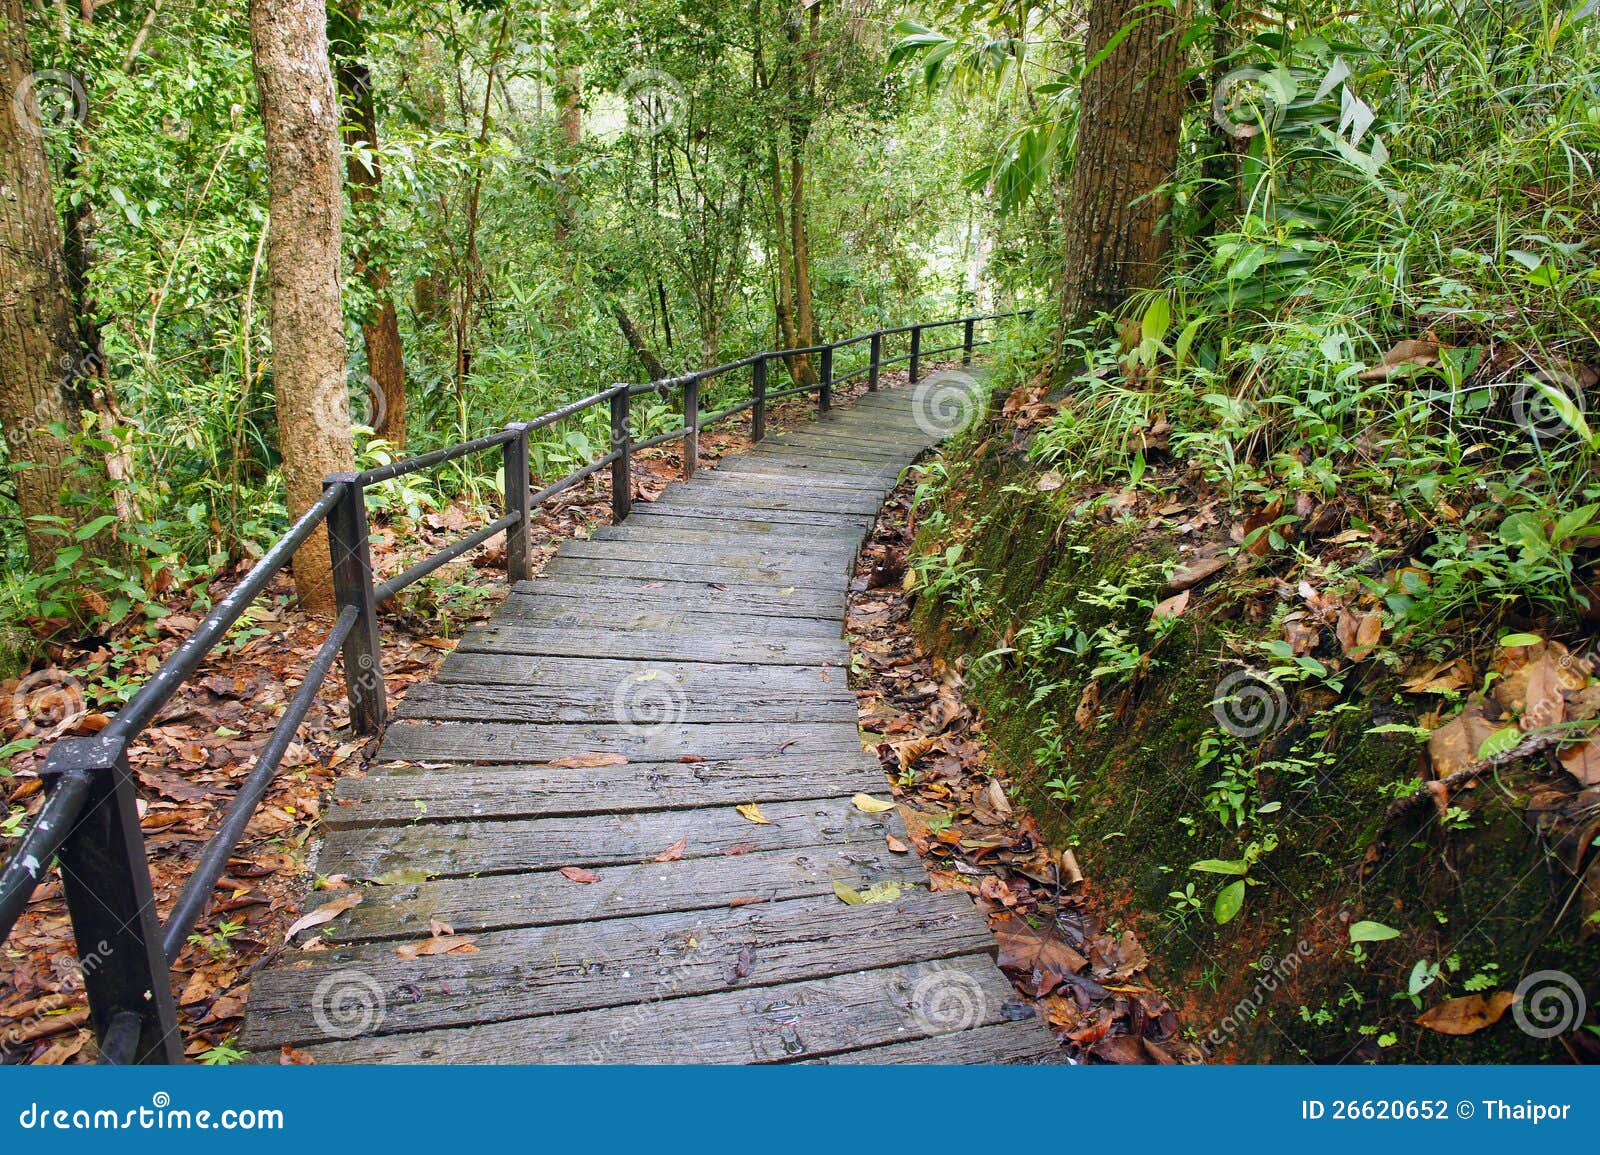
(89, 822)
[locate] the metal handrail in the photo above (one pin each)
(89, 821)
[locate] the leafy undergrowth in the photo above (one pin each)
(189, 762)
(1349, 821)
(1081, 972)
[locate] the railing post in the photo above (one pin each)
(877, 356)
(966, 341)
(352, 586)
(622, 446)
(825, 387)
(106, 879)
(916, 352)
(758, 394)
(515, 461)
(691, 427)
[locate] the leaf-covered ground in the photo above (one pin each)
(1083, 975)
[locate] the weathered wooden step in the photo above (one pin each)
(491, 742)
(712, 826)
(808, 1019)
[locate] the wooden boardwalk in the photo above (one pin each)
(702, 642)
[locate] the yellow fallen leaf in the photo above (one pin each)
(867, 804)
(847, 893)
(752, 812)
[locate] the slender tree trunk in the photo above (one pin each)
(1132, 107)
(289, 40)
(636, 342)
(40, 352)
(380, 329)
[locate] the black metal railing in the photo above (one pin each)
(89, 822)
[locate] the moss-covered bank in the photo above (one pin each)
(1040, 591)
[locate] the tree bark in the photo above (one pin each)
(289, 42)
(1132, 107)
(641, 349)
(380, 329)
(41, 354)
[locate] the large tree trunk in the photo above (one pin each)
(41, 356)
(380, 329)
(1132, 107)
(289, 40)
(641, 348)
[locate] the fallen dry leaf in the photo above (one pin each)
(673, 852)
(867, 804)
(327, 912)
(444, 944)
(751, 812)
(1468, 1015)
(579, 874)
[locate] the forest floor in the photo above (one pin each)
(1081, 973)
(197, 750)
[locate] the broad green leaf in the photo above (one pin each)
(1229, 902)
(1372, 932)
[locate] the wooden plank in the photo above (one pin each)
(660, 692)
(752, 535)
(563, 969)
(813, 564)
(799, 499)
(731, 599)
(776, 518)
(567, 614)
(783, 1023)
(502, 846)
(1024, 1042)
(760, 648)
(625, 890)
(764, 577)
(490, 742)
(571, 678)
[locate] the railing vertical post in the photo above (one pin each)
(966, 341)
(105, 877)
(825, 388)
(622, 446)
(872, 369)
(691, 427)
(514, 458)
(758, 394)
(916, 352)
(352, 585)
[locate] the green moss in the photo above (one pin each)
(1477, 897)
